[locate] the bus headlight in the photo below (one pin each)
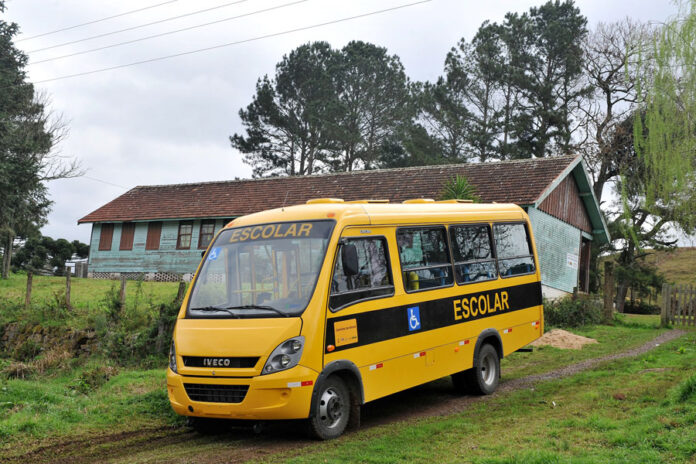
(172, 358)
(285, 356)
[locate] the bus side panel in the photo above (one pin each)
(404, 362)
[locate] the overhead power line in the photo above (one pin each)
(140, 26)
(96, 21)
(169, 32)
(214, 47)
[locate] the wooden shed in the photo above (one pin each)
(160, 230)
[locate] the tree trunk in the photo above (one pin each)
(7, 256)
(621, 296)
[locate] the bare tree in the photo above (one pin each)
(612, 55)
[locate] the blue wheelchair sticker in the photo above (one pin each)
(414, 322)
(214, 253)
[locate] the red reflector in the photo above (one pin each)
(466, 342)
(422, 353)
(330, 214)
(380, 365)
(307, 383)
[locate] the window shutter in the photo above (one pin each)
(154, 231)
(107, 234)
(127, 233)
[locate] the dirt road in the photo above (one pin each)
(241, 444)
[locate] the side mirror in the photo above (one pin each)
(349, 259)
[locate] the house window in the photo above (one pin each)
(473, 255)
(425, 258)
(183, 242)
(127, 233)
(154, 230)
(514, 250)
(373, 280)
(206, 235)
(107, 234)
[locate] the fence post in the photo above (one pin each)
(122, 292)
(67, 288)
(27, 298)
(664, 313)
(608, 291)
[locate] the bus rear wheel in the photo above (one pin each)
(483, 378)
(332, 410)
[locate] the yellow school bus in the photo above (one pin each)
(309, 311)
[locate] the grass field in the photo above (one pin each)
(679, 265)
(54, 405)
(85, 293)
(636, 410)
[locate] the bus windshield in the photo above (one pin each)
(267, 270)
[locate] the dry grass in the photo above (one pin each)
(679, 265)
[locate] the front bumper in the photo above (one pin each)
(283, 395)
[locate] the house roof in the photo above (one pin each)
(523, 182)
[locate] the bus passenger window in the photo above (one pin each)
(373, 279)
(425, 259)
(473, 255)
(514, 251)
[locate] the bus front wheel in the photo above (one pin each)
(331, 411)
(483, 378)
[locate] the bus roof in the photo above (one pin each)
(371, 212)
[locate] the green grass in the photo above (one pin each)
(49, 407)
(578, 419)
(85, 293)
(623, 336)
(90, 300)
(53, 407)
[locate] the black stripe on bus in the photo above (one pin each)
(389, 323)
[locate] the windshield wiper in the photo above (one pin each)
(216, 308)
(269, 308)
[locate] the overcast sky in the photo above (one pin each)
(168, 121)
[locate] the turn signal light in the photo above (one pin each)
(330, 348)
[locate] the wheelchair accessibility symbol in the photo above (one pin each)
(214, 253)
(414, 322)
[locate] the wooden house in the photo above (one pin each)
(159, 231)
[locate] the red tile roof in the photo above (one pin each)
(518, 181)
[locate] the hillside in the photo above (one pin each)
(678, 266)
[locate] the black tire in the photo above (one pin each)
(483, 378)
(331, 412)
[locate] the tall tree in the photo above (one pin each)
(444, 115)
(551, 83)
(611, 68)
(289, 123)
(375, 105)
(28, 132)
(475, 70)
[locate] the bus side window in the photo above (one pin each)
(473, 253)
(373, 280)
(514, 251)
(425, 258)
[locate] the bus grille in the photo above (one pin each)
(220, 362)
(216, 393)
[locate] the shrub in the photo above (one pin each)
(27, 350)
(640, 307)
(92, 379)
(566, 312)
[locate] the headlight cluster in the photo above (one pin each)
(285, 356)
(172, 358)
